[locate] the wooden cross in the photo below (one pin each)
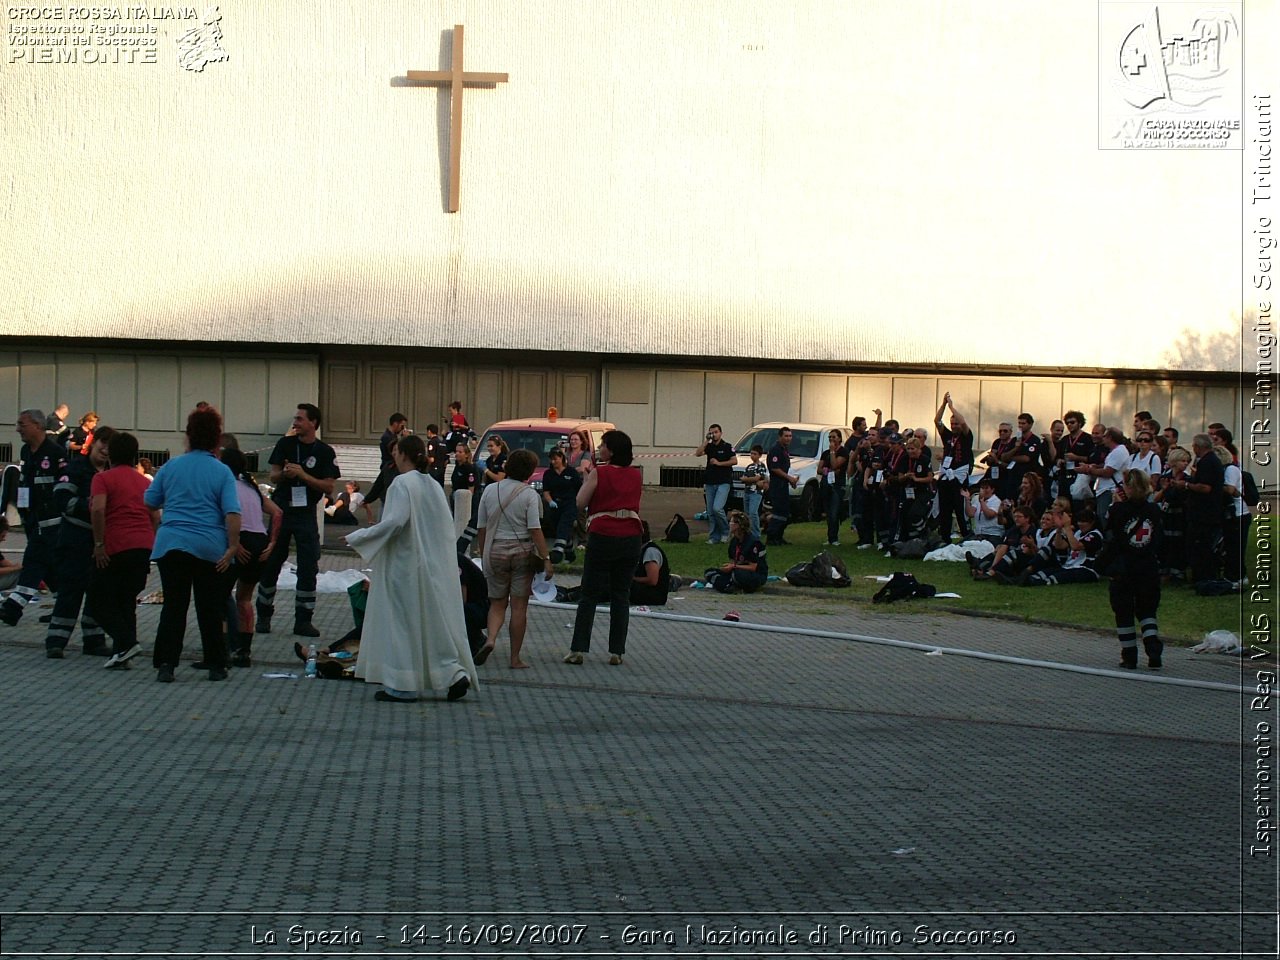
(455, 79)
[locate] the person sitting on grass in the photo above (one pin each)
(748, 566)
(652, 581)
(983, 510)
(1013, 552)
(1070, 555)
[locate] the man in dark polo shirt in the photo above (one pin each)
(716, 481)
(396, 427)
(1203, 509)
(781, 481)
(303, 469)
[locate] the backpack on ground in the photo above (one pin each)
(903, 586)
(677, 530)
(824, 570)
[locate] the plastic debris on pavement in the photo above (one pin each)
(1219, 641)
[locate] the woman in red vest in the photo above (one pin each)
(610, 496)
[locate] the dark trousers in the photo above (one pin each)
(37, 567)
(780, 505)
(562, 518)
(380, 484)
(114, 591)
(878, 516)
(1134, 601)
(181, 574)
(951, 503)
(73, 559)
(300, 525)
(1201, 538)
(855, 503)
(606, 575)
(834, 501)
(1235, 539)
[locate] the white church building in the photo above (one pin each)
(660, 213)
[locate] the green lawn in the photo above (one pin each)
(1184, 617)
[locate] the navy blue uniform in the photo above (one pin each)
(40, 470)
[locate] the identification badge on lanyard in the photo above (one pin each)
(911, 493)
(831, 477)
(298, 497)
(995, 472)
(879, 476)
(946, 463)
(24, 498)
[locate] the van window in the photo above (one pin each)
(541, 442)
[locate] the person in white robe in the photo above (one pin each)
(414, 637)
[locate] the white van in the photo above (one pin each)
(808, 441)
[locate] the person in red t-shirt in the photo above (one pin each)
(610, 495)
(124, 531)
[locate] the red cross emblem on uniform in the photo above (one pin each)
(1140, 533)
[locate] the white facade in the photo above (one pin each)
(825, 181)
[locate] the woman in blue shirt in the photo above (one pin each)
(198, 538)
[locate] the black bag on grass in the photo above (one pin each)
(677, 530)
(824, 570)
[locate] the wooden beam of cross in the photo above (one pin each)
(455, 78)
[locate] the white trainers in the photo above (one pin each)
(120, 661)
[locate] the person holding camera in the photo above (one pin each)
(717, 479)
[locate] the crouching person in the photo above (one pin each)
(748, 566)
(652, 581)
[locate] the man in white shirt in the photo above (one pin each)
(1109, 474)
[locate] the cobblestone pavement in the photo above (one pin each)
(727, 787)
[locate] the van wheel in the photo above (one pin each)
(809, 506)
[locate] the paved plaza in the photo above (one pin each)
(728, 791)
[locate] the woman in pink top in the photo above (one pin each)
(123, 535)
(260, 521)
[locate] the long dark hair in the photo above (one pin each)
(414, 450)
(239, 467)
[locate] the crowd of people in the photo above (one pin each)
(1059, 507)
(96, 518)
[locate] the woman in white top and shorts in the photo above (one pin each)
(510, 530)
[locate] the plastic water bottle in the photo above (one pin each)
(310, 671)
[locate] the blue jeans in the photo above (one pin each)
(717, 497)
(751, 507)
